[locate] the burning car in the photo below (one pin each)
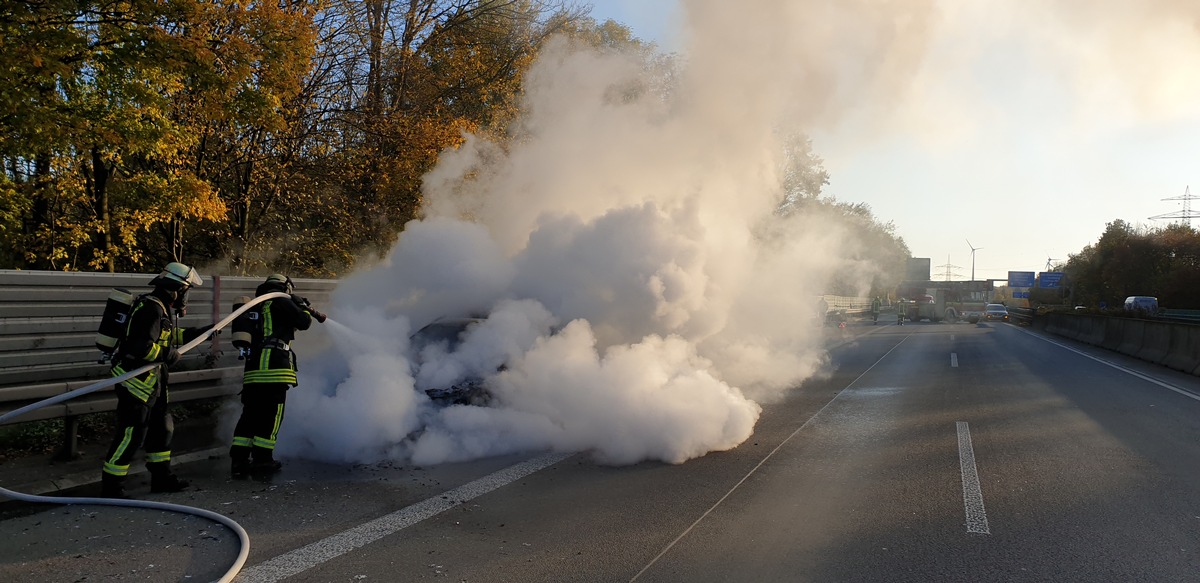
(440, 375)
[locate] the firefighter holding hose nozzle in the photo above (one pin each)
(264, 336)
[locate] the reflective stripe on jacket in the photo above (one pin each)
(272, 360)
(148, 338)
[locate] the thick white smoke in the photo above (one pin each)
(639, 295)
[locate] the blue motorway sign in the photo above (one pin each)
(1020, 279)
(1048, 279)
(1020, 295)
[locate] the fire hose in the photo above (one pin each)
(243, 537)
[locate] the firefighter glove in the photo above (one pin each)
(172, 357)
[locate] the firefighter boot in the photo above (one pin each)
(264, 463)
(239, 456)
(162, 480)
(112, 486)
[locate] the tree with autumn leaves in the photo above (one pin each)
(122, 122)
(289, 136)
(282, 134)
(1128, 261)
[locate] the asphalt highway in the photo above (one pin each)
(931, 452)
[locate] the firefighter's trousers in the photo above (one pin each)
(138, 421)
(262, 413)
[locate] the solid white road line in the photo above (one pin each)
(972, 494)
(1135, 373)
(763, 461)
(334, 546)
(954, 359)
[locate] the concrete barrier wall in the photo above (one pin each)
(1156, 342)
(1184, 354)
(1092, 329)
(1072, 328)
(1172, 344)
(1056, 326)
(1114, 333)
(1132, 335)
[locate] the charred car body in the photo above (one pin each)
(430, 346)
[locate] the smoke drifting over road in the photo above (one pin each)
(638, 286)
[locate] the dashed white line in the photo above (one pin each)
(954, 360)
(331, 547)
(972, 493)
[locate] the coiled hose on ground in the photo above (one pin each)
(243, 538)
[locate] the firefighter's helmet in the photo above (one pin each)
(178, 276)
(276, 282)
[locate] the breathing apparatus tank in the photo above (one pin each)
(245, 327)
(114, 322)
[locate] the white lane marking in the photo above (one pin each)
(954, 359)
(331, 547)
(761, 462)
(972, 493)
(1130, 371)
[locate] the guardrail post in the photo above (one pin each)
(70, 443)
(216, 312)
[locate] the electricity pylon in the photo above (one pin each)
(1187, 213)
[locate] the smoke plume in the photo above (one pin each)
(638, 294)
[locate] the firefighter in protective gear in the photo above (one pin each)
(143, 401)
(270, 371)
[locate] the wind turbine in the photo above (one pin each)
(973, 250)
(1049, 262)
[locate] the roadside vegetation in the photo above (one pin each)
(42, 438)
(288, 136)
(1129, 261)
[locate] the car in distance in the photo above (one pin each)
(995, 312)
(1145, 304)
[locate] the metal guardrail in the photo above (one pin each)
(1192, 316)
(48, 322)
(1021, 316)
(846, 304)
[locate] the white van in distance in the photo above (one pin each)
(1146, 304)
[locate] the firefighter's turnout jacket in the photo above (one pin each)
(272, 359)
(149, 337)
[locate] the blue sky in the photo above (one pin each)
(656, 20)
(1024, 131)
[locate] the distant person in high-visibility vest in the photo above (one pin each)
(269, 372)
(143, 401)
(876, 306)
